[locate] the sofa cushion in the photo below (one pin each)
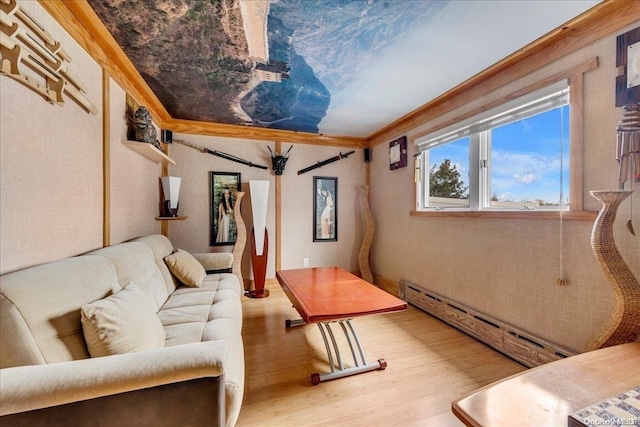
(186, 268)
(121, 323)
(161, 246)
(40, 309)
(211, 312)
(135, 262)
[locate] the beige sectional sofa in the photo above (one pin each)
(186, 366)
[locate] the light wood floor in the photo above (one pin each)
(429, 365)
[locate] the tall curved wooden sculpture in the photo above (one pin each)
(623, 325)
(367, 224)
(241, 238)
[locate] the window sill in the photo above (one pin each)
(566, 215)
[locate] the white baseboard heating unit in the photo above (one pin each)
(526, 348)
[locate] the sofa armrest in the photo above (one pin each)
(215, 261)
(29, 388)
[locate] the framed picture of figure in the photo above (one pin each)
(325, 208)
(223, 186)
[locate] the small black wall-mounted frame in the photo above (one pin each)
(131, 105)
(624, 94)
(166, 136)
(367, 155)
(398, 153)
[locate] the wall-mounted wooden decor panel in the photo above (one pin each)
(24, 42)
(628, 63)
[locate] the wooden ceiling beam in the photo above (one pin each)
(262, 134)
(82, 23)
(78, 18)
(599, 21)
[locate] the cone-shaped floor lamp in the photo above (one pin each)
(259, 236)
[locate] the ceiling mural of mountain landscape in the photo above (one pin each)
(197, 50)
(326, 44)
(337, 67)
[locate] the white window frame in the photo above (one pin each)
(477, 129)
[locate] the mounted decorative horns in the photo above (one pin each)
(278, 161)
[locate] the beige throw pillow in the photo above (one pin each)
(124, 322)
(186, 268)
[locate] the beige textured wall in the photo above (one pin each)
(50, 165)
(297, 202)
(193, 167)
(297, 208)
(508, 268)
(51, 172)
(135, 185)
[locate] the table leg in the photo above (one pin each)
(333, 349)
(289, 323)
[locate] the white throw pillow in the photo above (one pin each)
(186, 268)
(124, 322)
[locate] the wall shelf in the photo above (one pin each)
(149, 151)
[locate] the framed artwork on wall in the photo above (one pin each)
(325, 208)
(628, 65)
(222, 187)
(398, 153)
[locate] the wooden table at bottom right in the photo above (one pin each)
(548, 394)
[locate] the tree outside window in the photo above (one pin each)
(444, 181)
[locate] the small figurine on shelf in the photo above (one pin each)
(145, 131)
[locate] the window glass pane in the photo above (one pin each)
(530, 162)
(449, 175)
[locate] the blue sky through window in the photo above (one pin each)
(525, 158)
(525, 163)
